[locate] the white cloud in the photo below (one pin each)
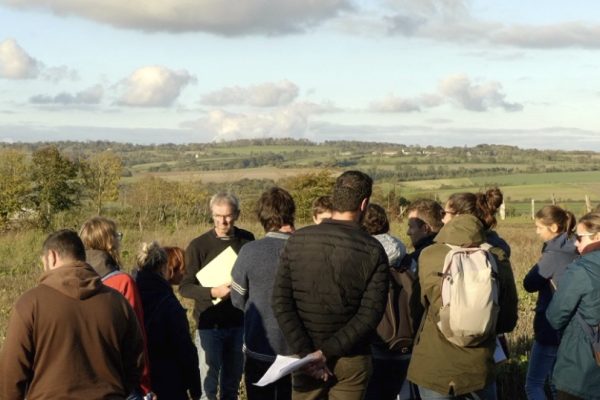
(291, 121)
(457, 89)
(92, 95)
(57, 74)
(394, 104)
(154, 86)
(452, 21)
(268, 94)
(225, 17)
(15, 63)
(475, 97)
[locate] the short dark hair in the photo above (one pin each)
(350, 189)
(66, 243)
(429, 211)
(275, 208)
(376, 221)
(321, 204)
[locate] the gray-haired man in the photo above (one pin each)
(220, 327)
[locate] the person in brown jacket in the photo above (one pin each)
(70, 336)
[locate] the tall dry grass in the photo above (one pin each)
(20, 268)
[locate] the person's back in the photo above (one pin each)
(330, 293)
(336, 257)
(575, 305)
(252, 288)
(71, 337)
(438, 365)
(173, 356)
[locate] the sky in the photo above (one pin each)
(426, 72)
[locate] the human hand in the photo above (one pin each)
(318, 367)
(220, 292)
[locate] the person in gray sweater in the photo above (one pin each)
(252, 287)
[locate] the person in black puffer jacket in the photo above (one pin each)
(330, 293)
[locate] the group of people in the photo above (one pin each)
(343, 292)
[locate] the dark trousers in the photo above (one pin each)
(253, 371)
(387, 379)
(560, 395)
(349, 381)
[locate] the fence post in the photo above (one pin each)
(588, 204)
(553, 200)
(532, 208)
(503, 211)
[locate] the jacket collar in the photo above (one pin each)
(101, 261)
(278, 235)
(590, 248)
(462, 230)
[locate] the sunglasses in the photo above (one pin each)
(579, 236)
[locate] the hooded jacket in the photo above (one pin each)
(71, 337)
(575, 371)
(557, 253)
(436, 363)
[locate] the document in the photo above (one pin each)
(218, 271)
(283, 366)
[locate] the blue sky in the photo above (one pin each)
(406, 71)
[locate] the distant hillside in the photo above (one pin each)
(385, 161)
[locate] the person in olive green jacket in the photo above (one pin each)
(441, 369)
(576, 374)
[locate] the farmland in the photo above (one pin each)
(163, 190)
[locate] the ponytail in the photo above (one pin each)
(564, 220)
(151, 257)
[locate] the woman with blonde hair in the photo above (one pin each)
(173, 356)
(102, 243)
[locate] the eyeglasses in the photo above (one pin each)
(579, 236)
(220, 217)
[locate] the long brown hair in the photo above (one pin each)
(591, 221)
(99, 233)
(551, 214)
(481, 205)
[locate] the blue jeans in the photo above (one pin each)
(541, 364)
(387, 379)
(221, 362)
(487, 393)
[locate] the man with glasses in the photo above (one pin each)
(220, 326)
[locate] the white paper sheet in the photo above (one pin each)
(218, 271)
(283, 366)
